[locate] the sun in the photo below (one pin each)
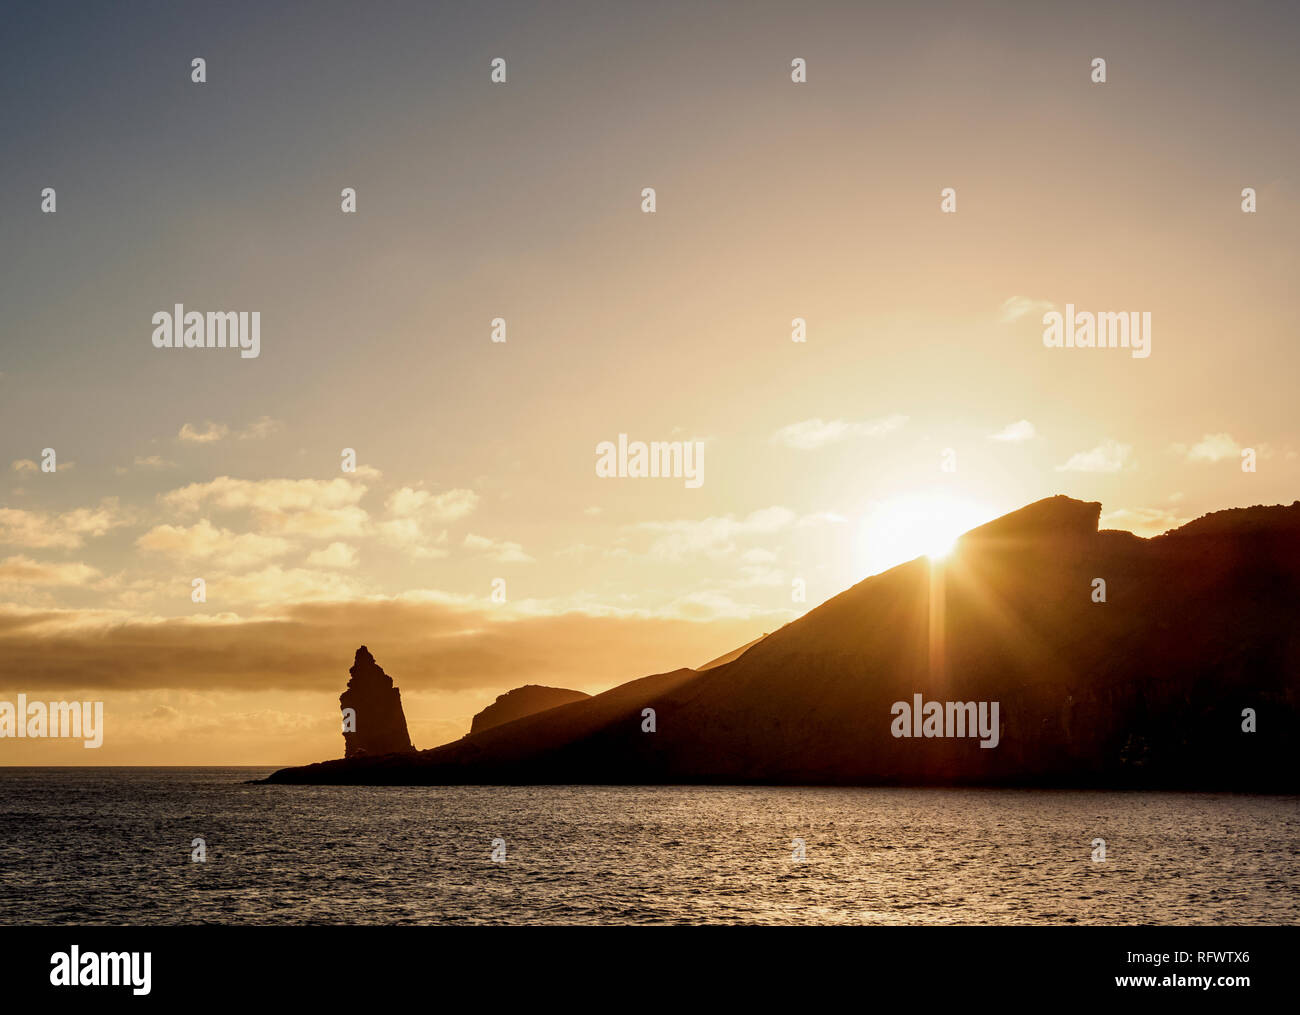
(924, 524)
(941, 547)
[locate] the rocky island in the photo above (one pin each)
(1105, 660)
(373, 721)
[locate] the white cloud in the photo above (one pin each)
(1017, 307)
(1023, 430)
(715, 536)
(1108, 456)
(809, 434)
(1213, 447)
(409, 535)
(27, 465)
(500, 551)
(1142, 521)
(210, 433)
(25, 571)
(153, 462)
(820, 518)
(313, 508)
(438, 509)
(68, 530)
(336, 555)
(204, 541)
(276, 585)
(259, 429)
(415, 514)
(709, 604)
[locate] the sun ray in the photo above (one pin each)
(923, 524)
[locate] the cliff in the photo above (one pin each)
(1145, 688)
(377, 724)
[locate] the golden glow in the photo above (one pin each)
(923, 333)
(916, 525)
(941, 548)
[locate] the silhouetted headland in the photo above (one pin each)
(523, 701)
(1155, 678)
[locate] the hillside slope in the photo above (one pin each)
(1147, 688)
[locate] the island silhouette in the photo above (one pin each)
(1074, 657)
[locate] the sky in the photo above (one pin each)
(922, 402)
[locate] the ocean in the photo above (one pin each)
(114, 846)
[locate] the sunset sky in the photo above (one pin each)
(823, 459)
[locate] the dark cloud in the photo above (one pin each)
(425, 646)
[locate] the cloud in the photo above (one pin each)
(27, 465)
(709, 605)
(1108, 456)
(25, 571)
(274, 585)
(211, 432)
(1017, 307)
(435, 508)
(259, 429)
(204, 541)
(415, 514)
(336, 555)
(1022, 430)
(154, 462)
(428, 644)
(66, 530)
(1217, 447)
(501, 552)
(1213, 447)
(820, 518)
(313, 508)
(409, 535)
(816, 433)
(717, 536)
(1142, 521)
